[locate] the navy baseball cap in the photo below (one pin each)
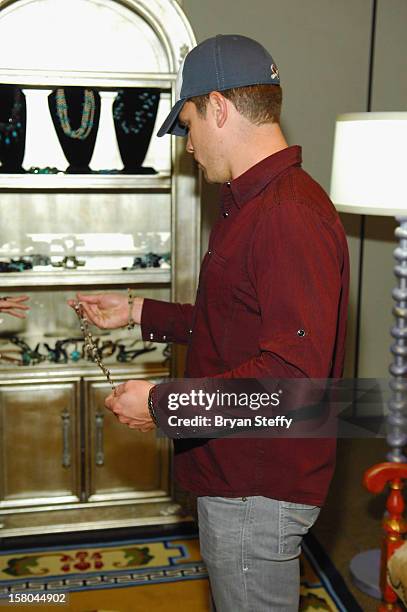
(216, 64)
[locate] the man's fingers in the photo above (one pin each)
(15, 313)
(12, 303)
(120, 389)
(86, 309)
(89, 299)
(124, 421)
(109, 401)
(92, 313)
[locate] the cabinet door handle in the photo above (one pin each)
(66, 435)
(99, 454)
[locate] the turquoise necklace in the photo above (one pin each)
(88, 114)
(136, 119)
(10, 129)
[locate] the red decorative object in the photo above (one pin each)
(394, 525)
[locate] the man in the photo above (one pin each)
(271, 303)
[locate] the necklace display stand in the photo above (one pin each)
(135, 111)
(12, 129)
(106, 155)
(77, 149)
(42, 147)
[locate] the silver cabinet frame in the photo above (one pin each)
(88, 508)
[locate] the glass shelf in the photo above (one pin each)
(66, 278)
(96, 79)
(56, 372)
(85, 182)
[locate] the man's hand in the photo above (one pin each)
(13, 305)
(130, 404)
(109, 310)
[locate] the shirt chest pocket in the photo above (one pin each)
(215, 281)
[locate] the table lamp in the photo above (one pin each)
(368, 178)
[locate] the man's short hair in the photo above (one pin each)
(257, 103)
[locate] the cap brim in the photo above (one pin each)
(171, 125)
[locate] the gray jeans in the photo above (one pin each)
(251, 546)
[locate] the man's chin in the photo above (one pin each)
(207, 178)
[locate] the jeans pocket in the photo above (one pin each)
(294, 505)
(295, 522)
(220, 523)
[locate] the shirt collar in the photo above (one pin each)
(246, 186)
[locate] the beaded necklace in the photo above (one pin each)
(10, 129)
(90, 345)
(139, 117)
(88, 114)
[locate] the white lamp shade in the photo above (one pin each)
(369, 164)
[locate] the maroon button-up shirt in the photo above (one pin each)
(271, 303)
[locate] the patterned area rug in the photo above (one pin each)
(159, 574)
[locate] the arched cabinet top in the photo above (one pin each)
(93, 36)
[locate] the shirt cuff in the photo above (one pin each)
(162, 322)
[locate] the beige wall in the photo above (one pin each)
(389, 94)
(322, 48)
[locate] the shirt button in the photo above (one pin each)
(244, 498)
(151, 336)
(301, 333)
(190, 331)
(164, 337)
(228, 183)
(225, 214)
(209, 252)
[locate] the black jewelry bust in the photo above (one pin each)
(12, 129)
(77, 150)
(134, 114)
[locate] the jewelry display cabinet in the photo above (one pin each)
(90, 201)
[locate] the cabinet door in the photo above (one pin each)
(39, 448)
(122, 462)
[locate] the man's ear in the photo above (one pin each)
(218, 106)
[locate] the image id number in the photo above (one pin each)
(37, 598)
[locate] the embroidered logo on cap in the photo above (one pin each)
(274, 71)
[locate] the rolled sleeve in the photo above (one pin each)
(166, 321)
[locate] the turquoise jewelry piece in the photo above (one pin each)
(47, 170)
(139, 118)
(75, 355)
(88, 114)
(11, 130)
(128, 355)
